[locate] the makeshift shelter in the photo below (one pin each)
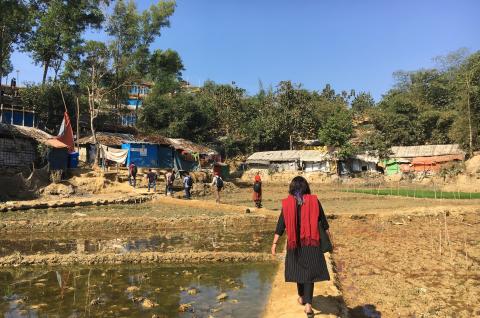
(166, 152)
(433, 164)
(88, 148)
(142, 153)
(190, 156)
(292, 160)
(425, 158)
(19, 148)
(359, 163)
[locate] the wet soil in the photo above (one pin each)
(253, 239)
(234, 290)
(409, 266)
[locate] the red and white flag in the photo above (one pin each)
(65, 134)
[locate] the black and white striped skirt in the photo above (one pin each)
(306, 265)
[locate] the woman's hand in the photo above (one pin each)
(274, 247)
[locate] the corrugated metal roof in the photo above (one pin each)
(289, 155)
(426, 151)
(33, 133)
(367, 158)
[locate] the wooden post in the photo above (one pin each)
(78, 125)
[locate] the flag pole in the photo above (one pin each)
(64, 104)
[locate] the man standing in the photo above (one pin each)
(169, 179)
(152, 180)
(132, 174)
(217, 184)
(187, 185)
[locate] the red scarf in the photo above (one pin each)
(309, 235)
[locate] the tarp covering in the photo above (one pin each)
(289, 155)
(436, 159)
(113, 154)
(426, 151)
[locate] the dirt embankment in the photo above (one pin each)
(132, 258)
(120, 225)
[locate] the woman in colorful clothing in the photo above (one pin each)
(257, 190)
(302, 216)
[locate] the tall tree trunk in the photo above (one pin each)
(46, 65)
(470, 129)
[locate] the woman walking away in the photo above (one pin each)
(257, 191)
(303, 218)
(217, 184)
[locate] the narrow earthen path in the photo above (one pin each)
(327, 298)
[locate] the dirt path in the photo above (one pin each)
(327, 299)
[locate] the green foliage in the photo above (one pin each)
(14, 25)
(337, 130)
(46, 101)
(58, 26)
(180, 116)
(362, 102)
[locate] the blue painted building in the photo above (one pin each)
(17, 116)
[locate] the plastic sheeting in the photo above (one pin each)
(113, 154)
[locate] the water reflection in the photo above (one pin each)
(136, 291)
(218, 239)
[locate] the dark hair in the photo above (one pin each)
(300, 185)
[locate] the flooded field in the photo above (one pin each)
(253, 239)
(216, 290)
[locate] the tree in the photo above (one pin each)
(14, 25)
(58, 28)
(362, 102)
(469, 89)
(90, 71)
(337, 130)
(133, 32)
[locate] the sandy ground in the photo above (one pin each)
(409, 266)
(327, 299)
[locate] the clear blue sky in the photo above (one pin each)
(350, 44)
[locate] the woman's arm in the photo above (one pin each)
(274, 244)
(323, 222)
(278, 232)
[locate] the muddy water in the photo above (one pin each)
(255, 239)
(129, 291)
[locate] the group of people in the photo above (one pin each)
(170, 177)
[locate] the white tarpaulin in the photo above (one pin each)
(113, 154)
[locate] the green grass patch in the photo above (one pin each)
(418, 193)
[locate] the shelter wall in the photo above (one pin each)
(18, 152)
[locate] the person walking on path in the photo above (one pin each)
(217, 184)
(257, 190)
(187, 185)
(169, 179)
(132, 174)
(303, 218)
(152, 180)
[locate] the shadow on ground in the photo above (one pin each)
(332, 305)
(365, 311)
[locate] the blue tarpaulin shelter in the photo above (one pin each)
(143, 154)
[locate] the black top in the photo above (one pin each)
(305, 264)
